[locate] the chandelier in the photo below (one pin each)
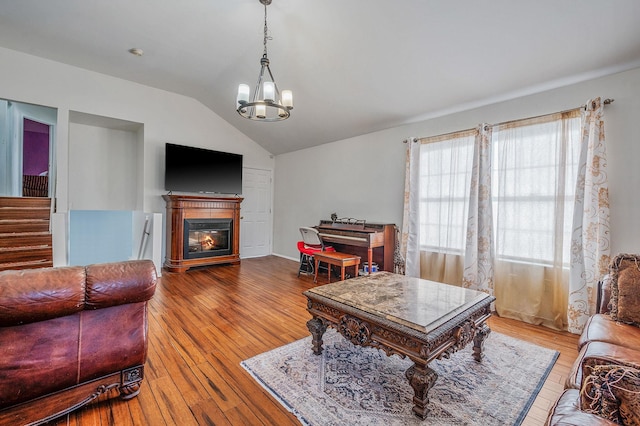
(267, 103)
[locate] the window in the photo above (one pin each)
(533, 185)
(496, 209)
(534, 166)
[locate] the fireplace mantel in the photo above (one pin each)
(183, 207)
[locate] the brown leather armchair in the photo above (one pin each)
(593, 394)
(69, 335)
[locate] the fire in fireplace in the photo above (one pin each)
(207, 238)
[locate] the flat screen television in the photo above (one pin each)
(190, 169)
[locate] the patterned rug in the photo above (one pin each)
(351, 385)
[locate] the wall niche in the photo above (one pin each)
(105, 197)
(105, 163)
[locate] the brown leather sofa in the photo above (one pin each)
(604, 385)
(69, 335)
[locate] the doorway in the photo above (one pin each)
(256, 222)
(27, 149)
(36, 149)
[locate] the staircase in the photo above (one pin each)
(25, 236)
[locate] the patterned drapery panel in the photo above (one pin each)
(590, 241)
(410, 244)
(478, 259)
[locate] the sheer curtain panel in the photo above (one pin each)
(441, 202)
(534, 172)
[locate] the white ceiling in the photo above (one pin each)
(354, 66)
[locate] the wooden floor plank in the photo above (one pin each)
(148, 411)
(204, 322)
(173, 407)
(208, 413)
(218, 388)
(255, 397)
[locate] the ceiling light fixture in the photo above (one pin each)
(267, 104)
(136, 51)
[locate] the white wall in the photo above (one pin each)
(363, 177)
(167, 117)
(108, 161)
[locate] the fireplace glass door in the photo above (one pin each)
(207, 238)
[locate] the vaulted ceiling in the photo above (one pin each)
(354, 66)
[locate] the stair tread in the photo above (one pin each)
(20, 227)
(27, 261)
(24, 234)
(25, 207)
(24, 220)
(26, 264)
(26, 247)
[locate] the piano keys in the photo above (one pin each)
(372, 241)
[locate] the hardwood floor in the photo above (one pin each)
(204, 322)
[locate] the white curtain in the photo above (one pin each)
(590, 243)
(410, 244)
(437, 182)
(534, 172)
(478, 259)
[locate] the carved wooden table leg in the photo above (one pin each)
(317, 327)
(478, 341)
(422, 378)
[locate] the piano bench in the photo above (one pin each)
(337, 259)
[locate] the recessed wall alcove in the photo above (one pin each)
(105, 198)
(106, 163)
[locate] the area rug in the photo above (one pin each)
(351, 385)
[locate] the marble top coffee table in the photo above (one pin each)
(411, 317)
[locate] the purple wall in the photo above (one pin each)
(35, 154)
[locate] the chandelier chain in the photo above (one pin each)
(266, 32)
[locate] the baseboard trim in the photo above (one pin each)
(295, 259)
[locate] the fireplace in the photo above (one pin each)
(201, 231)
(207, 238)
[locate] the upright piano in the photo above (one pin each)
(374, 242)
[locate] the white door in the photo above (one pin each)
(255, 213)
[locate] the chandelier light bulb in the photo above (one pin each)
(268, 91)
(243, 97)
(243, 94)
(287, 98)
